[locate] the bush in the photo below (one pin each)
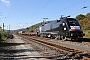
(87, 32)
(3, 35)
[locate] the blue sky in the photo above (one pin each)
(24, 13)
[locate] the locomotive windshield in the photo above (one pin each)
(73, 22)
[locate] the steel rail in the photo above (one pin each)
(71, 51)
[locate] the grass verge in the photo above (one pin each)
(87, 33)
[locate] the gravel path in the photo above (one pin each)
(17, 49)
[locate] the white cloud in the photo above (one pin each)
(6, 2)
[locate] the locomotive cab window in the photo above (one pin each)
(73, 22)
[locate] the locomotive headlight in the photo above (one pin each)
(65, 28)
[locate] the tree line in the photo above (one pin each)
(84, 21)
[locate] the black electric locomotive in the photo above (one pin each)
(61, 29)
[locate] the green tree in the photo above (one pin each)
(88, 16)
(85, 24)
(80, 17)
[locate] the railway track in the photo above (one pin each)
(75, 53)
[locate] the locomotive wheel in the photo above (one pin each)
(62, 38)
(52, 36)
(57, 37)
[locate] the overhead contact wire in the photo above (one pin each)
(65, 8)
(41, 8)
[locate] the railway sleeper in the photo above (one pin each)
(71, 51)
(50, 46)
(64, 50)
